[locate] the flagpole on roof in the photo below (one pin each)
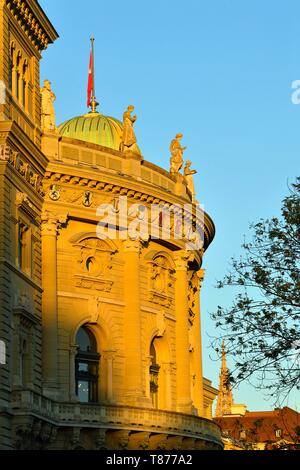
(93, 102)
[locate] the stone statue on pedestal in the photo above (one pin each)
(48, 112)
(188, 173)
(176, 150)
(128, 138)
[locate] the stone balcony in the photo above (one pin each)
(200, 433)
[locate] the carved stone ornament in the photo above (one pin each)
(22, 301)
(161, 278)
(87, 198)
(48, 112)
(94, 263)
(31, 25)
(128, 137)
(24, 169)
(23, 203)
(161, 324)
(54, 192)
(176, 161)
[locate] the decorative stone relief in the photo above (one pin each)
(22, 301)
(96, 308)
(22, 167)
(161, 324)
(94, 263)
(23, 203)
(161, 279)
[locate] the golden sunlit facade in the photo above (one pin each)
(103, 336)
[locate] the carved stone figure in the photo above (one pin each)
(48, 112)
(188, 173)
(158, 278)
(128, 139)
(176, 150)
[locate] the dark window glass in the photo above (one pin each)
(154, 371)
(87, 366)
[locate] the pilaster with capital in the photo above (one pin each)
(51, 223)
(133, 388)
(184, 401)
(195, 284)
(109, 356)
(72, 355)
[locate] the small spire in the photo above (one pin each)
(225, 398)
(224, 362)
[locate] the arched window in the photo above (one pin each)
(87, 366)
(154, 371)
(18, 77)
(24, 83)
(11, 66)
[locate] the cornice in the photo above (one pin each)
(74, 179)
(33, 21)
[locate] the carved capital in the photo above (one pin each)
(109, 354)
(182, 258)
(51, 223)
(5, 152)
(201, 276)
(73, 349)
(132, 246)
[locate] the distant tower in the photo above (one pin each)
(225, 398)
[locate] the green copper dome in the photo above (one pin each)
(94, 128)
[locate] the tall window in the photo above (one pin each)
(24, 85)
(87, 366)
(23, 246)
(22, 361)
(11, 66)
(154, 371)
(18, 76)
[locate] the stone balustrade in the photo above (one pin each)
(114, 417)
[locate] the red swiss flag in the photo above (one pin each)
(90, 81)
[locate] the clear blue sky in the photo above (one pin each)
(220, 72)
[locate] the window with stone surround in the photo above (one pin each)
(86, 366)
(154, 372)
(26, 234)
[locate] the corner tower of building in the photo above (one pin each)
(25, 32)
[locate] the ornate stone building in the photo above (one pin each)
(102, 335)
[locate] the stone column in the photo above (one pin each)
(14, 81)
(50, 226)
(109, 356)
(183, 379)
(167, 399)
(147, 363)
(198, 387)
(133, 388)
(16, 353)
(72, 355)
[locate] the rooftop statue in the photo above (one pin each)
(48, 112)
(129, 138)
(188, 173)
(176, 150)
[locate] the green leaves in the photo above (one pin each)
(263, 322)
